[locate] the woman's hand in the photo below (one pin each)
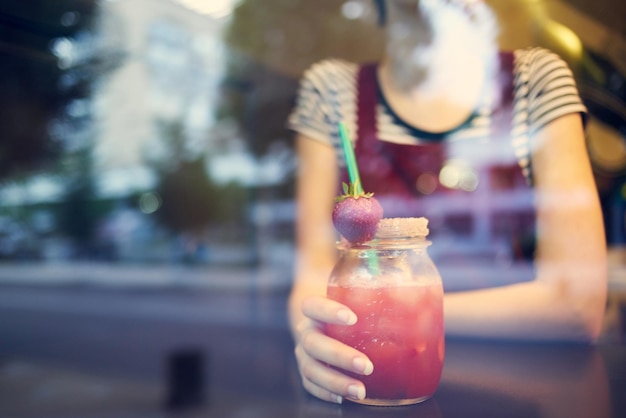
(309, 309)
(315, 352)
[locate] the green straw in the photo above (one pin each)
(348, 152)
(355, 179)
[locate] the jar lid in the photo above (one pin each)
(402, 227)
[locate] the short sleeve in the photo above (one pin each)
(549, 88)
(325, 97)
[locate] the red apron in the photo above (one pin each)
(481, 238)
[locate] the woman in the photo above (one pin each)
(441, 94)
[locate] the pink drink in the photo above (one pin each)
(400, 329)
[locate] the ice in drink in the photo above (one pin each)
(400, 328)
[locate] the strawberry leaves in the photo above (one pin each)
(352, 190)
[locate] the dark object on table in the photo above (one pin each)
(185, 379)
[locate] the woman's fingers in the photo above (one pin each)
(316, 352)
(326, 383)
(320, 392)
(330, 351)
(327, 310)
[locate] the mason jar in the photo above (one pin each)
(396, 292)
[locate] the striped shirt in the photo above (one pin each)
(544, 90)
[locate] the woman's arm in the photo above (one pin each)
(567, 299)
(308, 306)
(316, 180)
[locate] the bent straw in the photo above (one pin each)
(348, 153)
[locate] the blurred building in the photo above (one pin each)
(174, 63)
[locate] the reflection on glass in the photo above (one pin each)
(155, 131)
(144, 143)
(541, 381)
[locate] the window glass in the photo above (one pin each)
(147, 133)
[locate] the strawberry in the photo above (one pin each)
(356, 215)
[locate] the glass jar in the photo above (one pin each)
(396, 292)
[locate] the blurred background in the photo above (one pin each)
(152, 132)
(146, 175)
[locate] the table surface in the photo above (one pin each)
(107, 350)
(257, 377)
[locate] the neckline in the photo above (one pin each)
(414, 130)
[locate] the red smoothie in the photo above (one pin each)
(400, 329)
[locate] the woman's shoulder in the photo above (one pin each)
(545, 87)
(331, 70)
(535, 60)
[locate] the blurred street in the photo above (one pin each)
(98, 341)
(86, 350)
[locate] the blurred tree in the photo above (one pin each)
(289, 35)
(188, 201)
(191, 201)
(48, 65)
(50, 62)
(271, 43)
(77, 216)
